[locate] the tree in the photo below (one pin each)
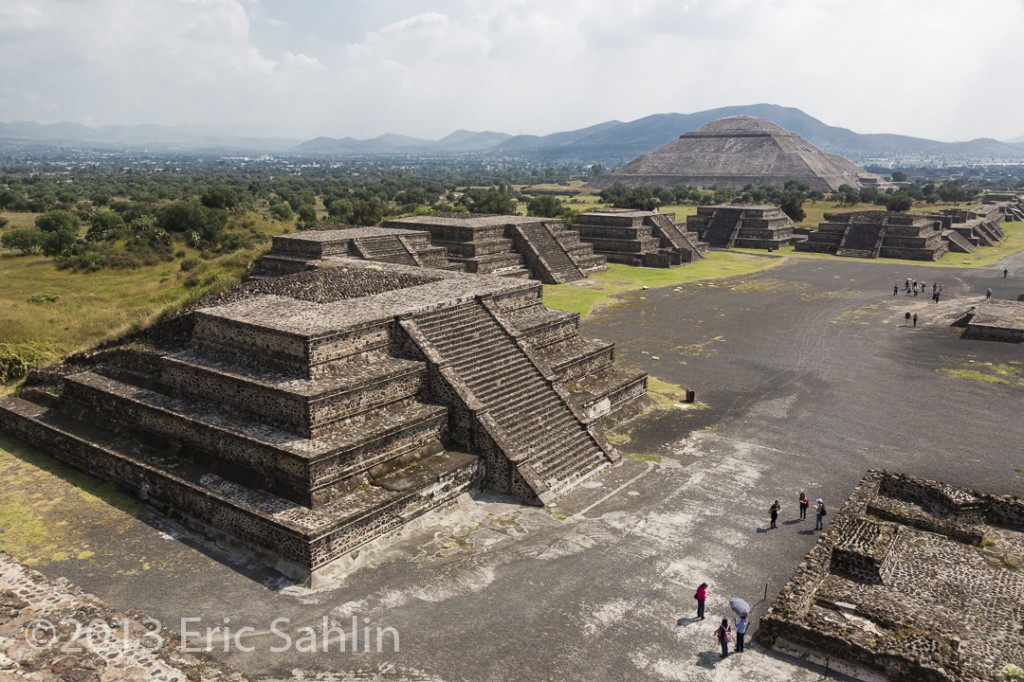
(792, 204)
(104, 225)
(281, 211)
(494, 201)
(596, 170)
(59, 221)
(25, 239)
(899, 176)
(899, 202)
(59, 243)
(219, 196)
(367, 213)
(545, 206)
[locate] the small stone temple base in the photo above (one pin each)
(309, 416)
(912, 580)
(994, 321)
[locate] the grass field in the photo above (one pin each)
(600, 288)
(47, 313)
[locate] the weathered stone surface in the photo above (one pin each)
(51, 630)
(305, 416)
(735, 152)
(913, 580)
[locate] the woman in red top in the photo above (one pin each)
(701, 596)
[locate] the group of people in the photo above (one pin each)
(724, 632)
(805, 503)
(914, 287)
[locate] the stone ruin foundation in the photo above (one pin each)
(877, 234)
(303, 417)
(751, 227)
(913, 580)
(994, 320)
(508, 245)
(640, 238)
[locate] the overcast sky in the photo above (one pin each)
(943, 69)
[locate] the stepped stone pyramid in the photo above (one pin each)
(967, 230)
(874, 234)
(642, 238)
(291, 253)
(735, 152)
(511, 246)
(752, 227)
(308, 415)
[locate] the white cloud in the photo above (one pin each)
(944, 68)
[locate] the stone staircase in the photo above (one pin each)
(685, 243)
(957, 242)
(546, 256)
(386, 250)
(552, 450)
(861, 241)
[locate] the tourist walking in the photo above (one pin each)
(915, 319)
(741, 631)
(819, 512)
(701, 596)
(774, 512)
(895, 289)
(724, 635)
(988, 294)
(907, 318)
(804, 504)
(1005, 272)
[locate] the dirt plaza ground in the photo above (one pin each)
(806, 376)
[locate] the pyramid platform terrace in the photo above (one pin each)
(751, 227)
(877, 234)
(306, 417)
(511, 246)
(639, 238)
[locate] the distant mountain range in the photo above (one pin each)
(612, 143)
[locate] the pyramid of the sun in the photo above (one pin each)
(735, 152)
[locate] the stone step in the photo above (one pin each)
(308, 354)
(297, 539)
(606, 391)
(575, 358)
(308, 406)
(292, 466)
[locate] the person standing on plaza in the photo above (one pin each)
(724, 635)
(895, 289)
(804, 504)
(774, 512)
(1005, 273)
(988, 294)
(701, 596)
(819, 513)
(915, 319)
(741, 631)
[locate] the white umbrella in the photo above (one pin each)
(741, 607)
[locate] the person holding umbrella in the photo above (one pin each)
(742, 609)
(741, 631)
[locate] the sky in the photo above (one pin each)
(942, 69)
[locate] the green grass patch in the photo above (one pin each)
(47, 313)
(644, 458)
(1007, 373)
(45, 504)
(601, 288)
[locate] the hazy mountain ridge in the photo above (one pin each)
(611, 143)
